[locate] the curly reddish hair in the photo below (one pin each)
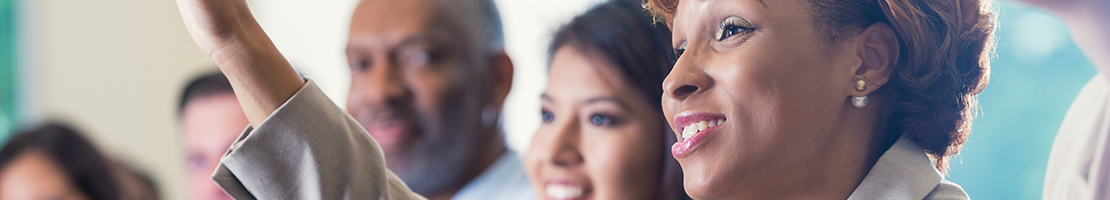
(944, 62)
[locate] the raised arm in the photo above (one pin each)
(309, 148)
(227, 32)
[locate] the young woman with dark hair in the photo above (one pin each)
(55, 162)
(603, 134)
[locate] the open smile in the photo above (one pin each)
(695, 127)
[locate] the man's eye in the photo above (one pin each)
(418, 58)
(732, 26)
(359, 64)
(547, 116)
(197, 162)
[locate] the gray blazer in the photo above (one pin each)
(286, 157)
(905, 172)
(308, 149)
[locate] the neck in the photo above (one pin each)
(489, 154)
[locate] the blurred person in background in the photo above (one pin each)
(429, 78)
(55, 162)
(603, 134)
(210, 119)
(134, 184)
(1079, 164)
(823, 99)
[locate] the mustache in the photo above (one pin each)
(382, 115)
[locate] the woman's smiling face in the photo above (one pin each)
(764, 87)
(600, 138)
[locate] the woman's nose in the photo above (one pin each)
(685, 80)
(565, 145)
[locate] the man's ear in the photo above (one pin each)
(879, 55)
(501, 69)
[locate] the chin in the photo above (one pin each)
(698, 182)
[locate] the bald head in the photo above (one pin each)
(479, 18)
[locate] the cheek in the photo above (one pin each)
(536, 155)
(624, 166)
(750, 86)
(431, 91)
(356, 98)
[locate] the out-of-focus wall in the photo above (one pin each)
(114, 68)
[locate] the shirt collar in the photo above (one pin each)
(505, 179)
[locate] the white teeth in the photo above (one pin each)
(689, 131)
(694, 128)
(561, 191)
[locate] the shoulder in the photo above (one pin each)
(947, 190)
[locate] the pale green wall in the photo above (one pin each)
(7, 68)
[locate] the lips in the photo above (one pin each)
(391, 132)
(695, 127)
(564, 190)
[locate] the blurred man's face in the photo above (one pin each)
(210, 124)
(417, 89)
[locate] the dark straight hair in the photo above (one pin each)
(89, 170)
(205, 85)
(622, 32)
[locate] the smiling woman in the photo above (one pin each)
(876, 94)
(603, 134)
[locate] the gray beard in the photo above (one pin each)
(448, 163)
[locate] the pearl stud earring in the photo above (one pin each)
(861, 85)
(860, 102)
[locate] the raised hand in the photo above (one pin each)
(213, 22)
(225, 29)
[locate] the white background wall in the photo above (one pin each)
(114, 68)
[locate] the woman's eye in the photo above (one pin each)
(601, 120)
(729, 31)
(732, 26)
(679, 50)
(547, 116)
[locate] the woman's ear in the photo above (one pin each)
(879, 54)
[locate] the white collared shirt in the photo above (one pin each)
(1079, 165)
(504, 180)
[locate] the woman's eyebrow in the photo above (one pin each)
(604, 99)
(545, 97)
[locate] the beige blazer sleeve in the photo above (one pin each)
(308, 149)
